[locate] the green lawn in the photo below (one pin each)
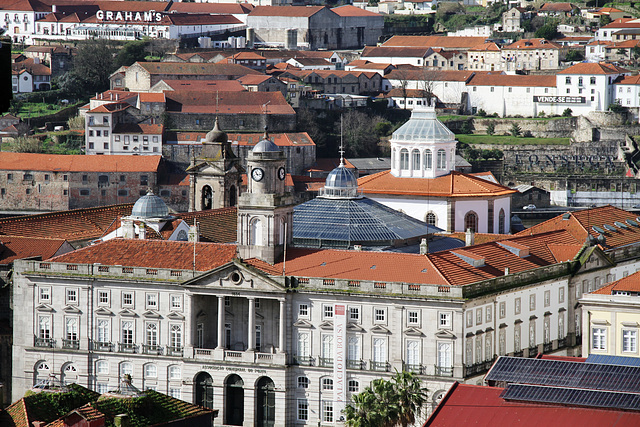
(32, 109)
(509, 140)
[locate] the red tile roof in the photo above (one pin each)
(280, 139)
(485, 47)
(17, 247)
(196, 68)
(78, 163)
(215, 225)
(481, 406)
(140, 128)
(451, 76)
(435, 41)
(349, 10)
(395, 51)
(455, 184)
(628, 80)
(36, 69)
(151, 97)
(623, 23)
(229, 102)
(207, 85)
(110, 108)
(557, 7)
(288, 11)
(73, 225)
(587, 68)
(247, 55)
(253, 79)
(526, 44)
(513, 80)
(630, 283)
(198, 19)
(153, 254)
(580, 223)
(211, 8)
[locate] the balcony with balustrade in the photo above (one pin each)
(44, 342)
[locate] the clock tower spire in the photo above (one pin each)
(265, 211)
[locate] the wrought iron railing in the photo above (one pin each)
(127, 348)
(71, 344)
(152, 349)
(44, 342)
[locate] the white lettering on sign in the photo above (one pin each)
(339, 359)
(109, 15)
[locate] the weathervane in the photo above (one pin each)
(341, 151)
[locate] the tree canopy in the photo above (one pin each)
(388, 403)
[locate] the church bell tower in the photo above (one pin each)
(265, 211)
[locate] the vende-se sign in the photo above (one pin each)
(109, 15)
(560, 99)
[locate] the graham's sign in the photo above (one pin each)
(560, 99)
(108, 15)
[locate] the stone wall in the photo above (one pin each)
(239, 122)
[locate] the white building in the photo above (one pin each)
(423, 183)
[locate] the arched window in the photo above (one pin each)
(255, 232)
(150, 371)
(415, 160)
(501, 222)
(102, 367)
(404, 159)
(428, 159)
(431, 219)
(442, 159)
(471, 222)
(126, 368)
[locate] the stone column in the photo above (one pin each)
(221, 343)
(281, 328)
(251, 339)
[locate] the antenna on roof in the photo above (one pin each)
(195, 239)
(217, 102)
(284, 256)
(341, 144)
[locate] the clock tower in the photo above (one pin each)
(265, 211)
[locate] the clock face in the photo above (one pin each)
(281, 174)
(257, 174)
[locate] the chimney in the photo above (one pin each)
(111, 96)
(54, 8)
(506, 271)
(470, 237)
(357, 248)
(194, 236)
(142, 231)
(424, 247)
(117, 96)
(128, 231)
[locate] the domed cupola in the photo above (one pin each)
(340, 183)
(216, 135)
(423, 147)
(150, 206)
(216, 145)
(266, 145)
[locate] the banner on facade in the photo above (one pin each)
(339, 361)
(560, 99)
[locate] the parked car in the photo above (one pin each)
(529, 207)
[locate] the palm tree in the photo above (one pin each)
(388, 403)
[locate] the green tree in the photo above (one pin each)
(135, 50)
(574, 55)
(547, 31)
(388, 403)
(567, 112)
(605, 20)
(515, 130)
(92, 66)
(491, 128)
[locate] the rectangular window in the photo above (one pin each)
(532, 302)
(304, 344)
(144, 180)
(413, 318)
(488, 314)
(103, 297)
(303, 410)
(44, 327)
(327, 311)
(303, 310)
(327, 411)
(258, 338)
(327, 346)
(379, 350)
(104, 335)
(599, 339)
(176, 302)
(175, 393)
(444, 320)
(547, 298)
(45, 295)
(174, 373)
(629, 341)
(175, 336)
(503, 309)
(470, 318)
(303, 382)
(517, 305)
(127, 332)
(71, 328)
(127, 299)
(354, 353)
(227, 301)
(151, 334)
(560, 295)
(380, 315)
(478, 316)
(152, 301)
(102, 367)
(354, 314)
(72, 296)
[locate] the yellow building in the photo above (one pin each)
(611, 316)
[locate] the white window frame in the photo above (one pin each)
(72, 296)
(353, 386)
(306, 349)
(47, 331)
(125, 297)
(151, 371)
(104, 297)
(598, 338)
(303, 311)
(354, 314)
(103, 330)
(547, 298)
(175, 373)
(72, 328)
(102, 367)
(502, 309)
(151, 300)
(303, 410)
(410, 315)
(444, 320)
(175, 302)
(302, 382)
(488, 314)
(532, 302)
(327, 411)
(380, 315)
(176, 335)
(44, 294)
(327, 311)
(152, 333)
(379, 350)
(126, 339)
(326, 384)
(629, 340)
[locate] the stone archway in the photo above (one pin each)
(265, 403)
(207, 198)
(204, 390)
(234, 408)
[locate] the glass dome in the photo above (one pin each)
(340, 182)
(266, 146)
(150, 206)
(424, 126)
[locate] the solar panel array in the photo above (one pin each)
(354, 221)
(572, 396)
(613, 360)
(556, 373)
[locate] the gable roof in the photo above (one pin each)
(587, 68)
(451, 75)
(395, 51)
(630, 283)
(77, 163)
(288, 11)
(153, 254)
(205, 85)
(350, 10)
(557, 7)
(229, 102)
(513, 80)
(526, 44)
(455, 184)
(215, 225)
(17, 247)
(196, 68)
(435, 41)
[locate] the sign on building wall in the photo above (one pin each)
(339, 360)
(560, 99)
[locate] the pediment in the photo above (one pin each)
(233, 277)
(445, 333)
(227, 313)
(594, 258)
(201, 313)
(354, 327)
(326, 325)
(72, 309)
(127, 313)
(414, 332)
(45, 307)
(103, 311)
(301, 323)
(175, 316)
(151, 314)
(259, 316)
(378, 329)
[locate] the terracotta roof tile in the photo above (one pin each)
(17, 247)
(211, 8)
(280, 139)
(288, 11)
(630, 283)
(394, 51)
(455, 184)
(151, 97)
(451, 76)
(349, 10)
(513, 80)
(215, 225)
(435, 41)
(196, 68)
(78, 163)
(526, 44)
(139, 128)
(207, 85)
(229, 102)
(485, 47)
(153, 254)
(586, 68)
(557, 7)
(563, 253)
